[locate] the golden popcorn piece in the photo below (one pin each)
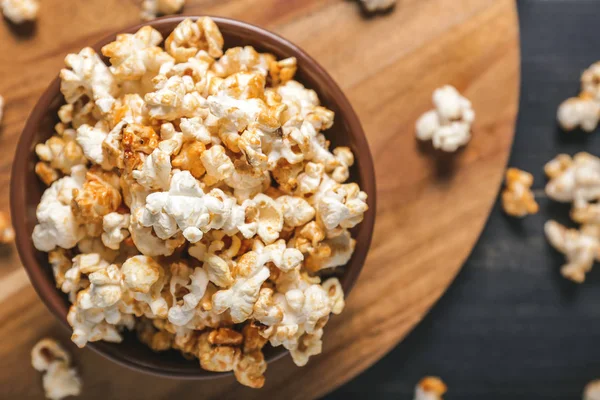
(517, 197)
(190, 37)
(46, 173)
(215, 357)
(430, 388)
(7, 233)
(189, 159)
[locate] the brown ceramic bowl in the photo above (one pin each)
(26, 189)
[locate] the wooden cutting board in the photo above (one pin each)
(431, 207)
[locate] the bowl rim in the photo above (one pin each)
(45, 287)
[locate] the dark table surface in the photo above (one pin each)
(510, 327)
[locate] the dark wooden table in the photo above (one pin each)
(510, 327)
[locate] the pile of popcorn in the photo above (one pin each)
(193, 196)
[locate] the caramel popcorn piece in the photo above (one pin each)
(60, 380)
(46, 173)
(7, 234)
(430, 388)
(517, 197)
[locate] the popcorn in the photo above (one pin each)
(152, 8)
(430, 388)
(19, 11)
(115, 230)
(580, 247)
(517, 198)
(592, 390)
(190, 37)
(249, 275)
(61, 153)
(7, 234)
(87, 75)
(171, 150)
(449, 124)
(59, 379)
(378, 5)
(574, 179)
(57, 225)
(582, 111)
(134, 55)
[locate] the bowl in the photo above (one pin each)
(26, 189)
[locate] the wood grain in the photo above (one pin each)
(431, 207)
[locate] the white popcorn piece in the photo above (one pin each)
(62, 153)
(57, 226)
(378, 5)
(184, 207)
(218, 165)
(592, 390)
(115, 227)
(286, 259)
(582, 111)
(87, 75)
(174, 98)
(334, 290)
(19, 11)
(309, 344)
(196, 284)
(104, 290)
(296, 211)
(580, 247)
(342, 206)
(140, 273)
(152, 8)
(448, 126)
(132, 56)
(268, 217)
(190, 37)
(94, 245)
(155, 172)
(147, 242)
(430, 388)
(574, 179)
(59, 379)
(239, 299)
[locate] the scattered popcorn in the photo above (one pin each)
(378, 5)
(584, 110)
(448, 126)
(60, 380)
(7, 234)
(430, 388)
(19, 11)
(580, 247)
(191, 193)
(517, 197)
(152, 8)
(592, 390)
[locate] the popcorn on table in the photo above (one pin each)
(59, 379)
(592, 390)
(430, 388)
(583, 111)
(517, 197)
(19, 11)
(378, 5)
(448, 126)
(193, 197)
